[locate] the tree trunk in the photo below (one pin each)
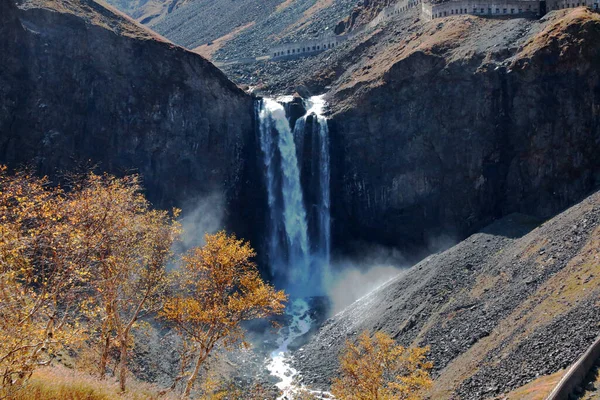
(104, 358)
(123, 364)
(190, 383)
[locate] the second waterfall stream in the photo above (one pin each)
(296, 158)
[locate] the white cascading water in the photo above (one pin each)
(290, 254)
(324, 228)
(292, 214)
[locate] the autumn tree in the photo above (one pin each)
(217, 288)
(376, 368)
(132, 246)
(44, 267)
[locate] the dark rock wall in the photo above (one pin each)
(78, 93)
(445, 146)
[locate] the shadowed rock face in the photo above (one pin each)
(437, 136)
(83, 86)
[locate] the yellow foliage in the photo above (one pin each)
(86, 264)
(131, 244)
(376, 368)
(94, 253)
(218, 287)
(43, 268)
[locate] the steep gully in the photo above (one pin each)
(298, 235)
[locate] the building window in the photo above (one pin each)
(504, 11)
(520, 10)
(482, 11)
(497, 11)
(512, 10)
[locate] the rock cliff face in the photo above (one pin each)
(85, 86)
(461, 121)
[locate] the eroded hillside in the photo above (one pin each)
(147, 11)
(498, 310)
(248, 28)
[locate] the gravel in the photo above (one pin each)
(483, 298)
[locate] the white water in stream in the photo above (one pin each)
(279, 364)
(298, 262)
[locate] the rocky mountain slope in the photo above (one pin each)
(246, 28)
(498, 310)
(82, 85)
(147, 11)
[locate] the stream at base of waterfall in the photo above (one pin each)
(299, 261)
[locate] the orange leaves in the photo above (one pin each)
(64, 251)
(377, 368)
(220, 285)
(217, 288)
(88, 262)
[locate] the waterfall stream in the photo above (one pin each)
(299, 217)
(290, 256)
(299, 262)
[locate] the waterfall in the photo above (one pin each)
(299, 217)
(323, 206)
(289, 258)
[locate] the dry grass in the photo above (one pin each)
(284, 5)
(60, 383)
(536, 390)
(207, 51)
(558, 32)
